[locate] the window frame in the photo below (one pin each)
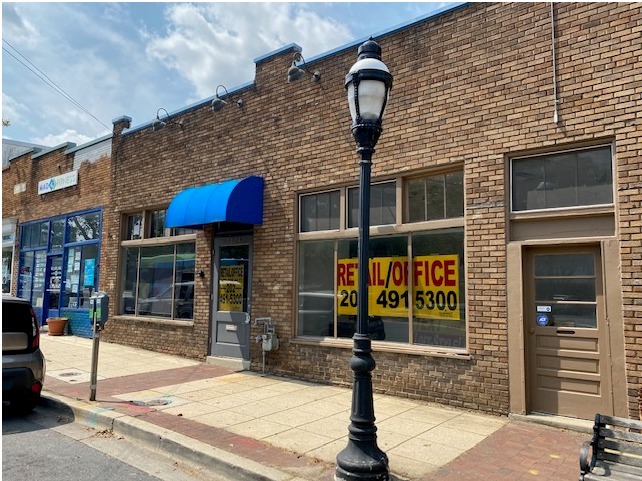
(173, 237)
(552, 210)
(400, 227)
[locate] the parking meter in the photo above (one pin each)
(99, 309)
(98, 313)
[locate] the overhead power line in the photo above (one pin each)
(45, 78)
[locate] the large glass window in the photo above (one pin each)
(316, 288)
(420, 302)
(383, 204)
(80, 275)
(566, 179)
(439, 307)
(31, 281)
(416, 279)
(159, 281)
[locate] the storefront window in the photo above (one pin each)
(416, 283)
(56, 275)
(566, 179)
(7, 265)
(422, 299)
(35, 235)
(57, 233)
(81, 281)
(439, 307)
(84, 227)
(316, 288)
(134, 226)
(320, 211)
(383, 204)
(387, 293)
(436, 197)
(159, 281)
(157, 223)
(31, 283)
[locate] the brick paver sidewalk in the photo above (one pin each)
(518, 452)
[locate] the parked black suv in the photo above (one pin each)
(23, 365)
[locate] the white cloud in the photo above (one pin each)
(18, 27)
(211, 44)
(69, 135)
(13, 110)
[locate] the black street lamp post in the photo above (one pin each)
(368, 83)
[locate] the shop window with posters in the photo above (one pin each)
(59, 262)
(415, 276)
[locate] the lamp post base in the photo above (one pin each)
(361, 459)
(361, 462)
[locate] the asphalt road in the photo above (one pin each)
(48, 445)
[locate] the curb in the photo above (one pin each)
(174, 444)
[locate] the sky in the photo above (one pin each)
(113, 59)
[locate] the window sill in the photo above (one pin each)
(155, 320)
(563, 212)
(378, 346)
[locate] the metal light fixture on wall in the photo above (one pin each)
(295, 71)
(158, 124)
(218, 103)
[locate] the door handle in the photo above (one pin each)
(563, 331)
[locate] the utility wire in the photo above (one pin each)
(45, 78)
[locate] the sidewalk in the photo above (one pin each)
(273, 428)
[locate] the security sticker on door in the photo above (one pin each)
(543, 308)
(542, 320)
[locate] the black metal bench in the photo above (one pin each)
(616, 450)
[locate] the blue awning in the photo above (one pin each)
(230, 201)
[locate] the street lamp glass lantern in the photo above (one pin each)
(370, 93)
(368, 83)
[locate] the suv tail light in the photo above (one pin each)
(35, 330)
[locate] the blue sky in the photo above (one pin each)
(130, 59)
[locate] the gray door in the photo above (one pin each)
(231, 297)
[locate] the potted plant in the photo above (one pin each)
(57, 325)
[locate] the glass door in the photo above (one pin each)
(53, 285)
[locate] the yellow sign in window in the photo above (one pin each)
(435, 286)
(230, 288)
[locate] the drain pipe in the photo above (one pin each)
(555, 100)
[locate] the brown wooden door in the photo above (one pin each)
(567, 333)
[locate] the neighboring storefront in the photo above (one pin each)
(505, 212)
(55, 201)
(8, 245)
(58, 265)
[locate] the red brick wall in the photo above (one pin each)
(471, 87)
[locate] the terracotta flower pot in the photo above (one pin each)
(57, 325)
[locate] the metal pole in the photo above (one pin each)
(94, 359)
(362, 459)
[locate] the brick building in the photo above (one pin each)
(505, 210)
(52, 204)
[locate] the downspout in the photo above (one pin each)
(555, 100)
